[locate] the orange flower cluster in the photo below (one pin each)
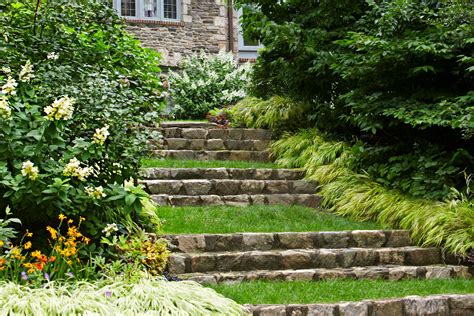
(63, 247)
(67, 246)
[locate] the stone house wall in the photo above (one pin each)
(204, 26)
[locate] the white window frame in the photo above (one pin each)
(242, 46)
(140, 12)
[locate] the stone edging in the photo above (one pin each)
(409, 306)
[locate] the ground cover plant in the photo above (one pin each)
(298, 292)
(115, 297)
(171, 163)
(205, 82)
(274, 218)
(389, 87)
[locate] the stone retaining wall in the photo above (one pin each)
(442, 305)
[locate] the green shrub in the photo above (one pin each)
(71, 104)
(115, 297)
(277, 113)
(449, 224)
(393, 76)
(206, 82)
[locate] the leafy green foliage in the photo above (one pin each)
(449, 224)
(115, 297)
(206, 82)
(392, 78)
(70, 111)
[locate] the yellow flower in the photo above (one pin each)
(70, 221)
(53, 232)
(62, 217)
(27, 245)
(86, 240)
(61, 109)
(36, 254)
(28, 233)
(1, 243)
(100, 135)
(81, 219)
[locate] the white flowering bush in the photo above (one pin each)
(72, 111)
(205, 82)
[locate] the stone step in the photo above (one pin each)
(308, 200)
(194, 243)
(229, 187)
(188, 124)
(216, 133)
(233, 155)
(210, 144)
(302, 259)
(220, 173)
(439, 305)
(383, 272)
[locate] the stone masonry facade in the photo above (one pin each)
(203, 26)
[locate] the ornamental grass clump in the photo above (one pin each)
(448, 224)
(116, 297)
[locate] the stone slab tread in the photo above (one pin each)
(440, 305)
(229, 187)
(216, 133)
(308, 200)
(232, 155)
(192, 243)
(209, 144)
(303, 259)
(220, 173)
(383, 272)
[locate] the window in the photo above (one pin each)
(149, 9)
(248, 47)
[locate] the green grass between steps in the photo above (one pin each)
(226, 219)
(299, 292)
(171, 163)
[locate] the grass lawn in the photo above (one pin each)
(227, 219)
(299, 292)
(171, 163)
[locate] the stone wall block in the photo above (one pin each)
(215, 144)
(434, 305)
(368, 239)
(197, 187)
(257, 241)
(227, 187)
(194, 133)
(252, 186)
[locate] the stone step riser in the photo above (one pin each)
(273, 241)
(232, 155)
(303, 259)
(439, 305)
(210, 144)
(308, 200)
(220, 173)
(229, 187)
(223, 134)
(391, 273)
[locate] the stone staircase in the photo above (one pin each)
(283, 256)
(205, 141)
(221, 186)
(389, 255)
(233, 187)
